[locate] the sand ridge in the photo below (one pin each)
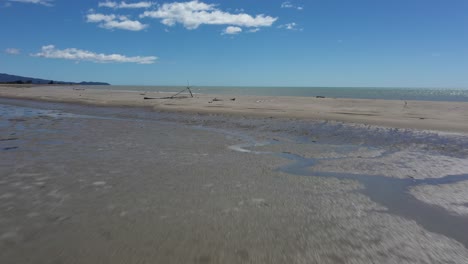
(425, 115)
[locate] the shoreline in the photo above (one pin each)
(421, 115)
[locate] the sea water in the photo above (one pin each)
(422, 94)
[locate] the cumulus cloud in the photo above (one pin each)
(232, 30)
(12, 51)
(51, 52)
(290, 26)
(124, 4)
(115, 22)
(288, 4)
(39, 2)
(194, 13)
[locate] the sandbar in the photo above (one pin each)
(422, 115)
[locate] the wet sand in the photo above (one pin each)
(82, 184)
(451, 197)
(441, 116)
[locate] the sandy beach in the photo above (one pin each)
(426, 115)
(86, 179)
(233, 132)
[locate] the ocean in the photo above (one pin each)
(420, 94)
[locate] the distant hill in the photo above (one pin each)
(15, 79)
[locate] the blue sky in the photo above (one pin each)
(391, 43)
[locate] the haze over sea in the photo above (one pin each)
(420, 94)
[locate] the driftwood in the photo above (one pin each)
(219, 100)
(171, 97)
(215, 100)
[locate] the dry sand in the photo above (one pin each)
(440, 116)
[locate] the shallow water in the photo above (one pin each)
(393, 193)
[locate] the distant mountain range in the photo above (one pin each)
(15, 79)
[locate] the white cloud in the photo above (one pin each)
(253, 30)
(124, 4)
(113, 21)
(232, 30)
(12, 51)
(126, 24)
(290, 26)
(39, 2)
(288, 4)
(51, 52)
(194, 13)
